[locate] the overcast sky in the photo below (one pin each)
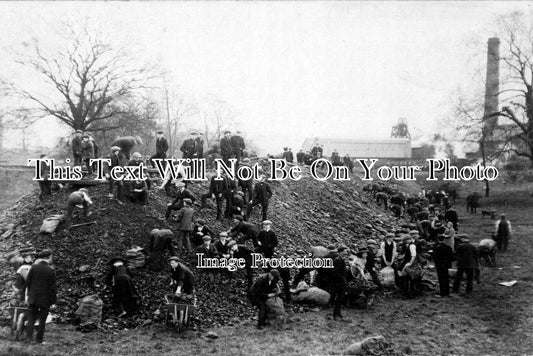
(293, 70)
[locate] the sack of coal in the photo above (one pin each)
(387, 276)
(136, 257)
(50, 224)
(90, 309)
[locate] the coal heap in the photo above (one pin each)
(304, 213)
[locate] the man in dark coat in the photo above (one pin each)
(182, 278)
(443, 257)
(503, 233)
(136, 161)
(231, 188)
(188, 147)
(185, 225)
(262, 194)
(199, 146)
(208, 250)
(125, 297)
(80, 197)
(76, 147)
(216, 191)
(266, 286)
(226, 149)
(467, 263)
(451, 216)
(243, 231)
(370, 265)
(41, 287)
(237, 145)
(241, 251)
(161, 148)
(138, 192)
(317, 151)
(267, 240)
(246, 184)
(181, 194)
(160, 240)
(300, 157)
(45, 185)
(337, 280)
(348, 162)
(127, 143)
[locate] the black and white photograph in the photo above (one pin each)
(266, 178)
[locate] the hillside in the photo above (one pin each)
(304, 213)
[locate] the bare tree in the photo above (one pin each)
(516, 116)
(217, 116)
(177, 108)
(85, 81)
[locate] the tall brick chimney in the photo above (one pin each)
(492, 85)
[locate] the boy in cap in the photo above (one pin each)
(185, 225)
(200, 230)
(267, 240)
(181, 277)
(388, 251)
(161, 148)
(467, 263)
(177, 204)
(42, 293)
(443, 257)
(209, 251)
(371, 262)
(116, 160)
(503, 233)
(87, 152)
(80, 197)
(265, 287)
(243, 230)
(241, 251)
(125, 295)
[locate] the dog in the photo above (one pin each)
(491, 213)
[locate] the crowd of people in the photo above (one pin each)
(396, 256)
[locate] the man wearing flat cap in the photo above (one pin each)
(265, 287)
(267, 240)
(370, 266)
(226, 149)
(208, 250)
(161, 148)
(42, 293)
(261, 195)
(388, 251)
(117, 159)
(160, 241)
(181, 277)
(237, 145)
(200, 230)
(181, 194)
(188, 147)
(80, 197)
(241, 251)
(199, 146)
(243, 231)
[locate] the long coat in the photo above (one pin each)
(467, 256)
(41, 285)
(185, 219)
(268, 241)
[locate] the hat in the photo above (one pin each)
(27, 251)
(266, 222)
(160, 132)
(180, 184)
(407, 238)
(174, 258)
(223, 234)
(200, 222)
(238, 217)
(115, 148)
(116, 259)
(227, 131)
(362, 250)
(240, 193)
(232, 243)
(187, 201)
(246, 159)
(78, 131)
(85, 136)
(413, 232)
(332, 248)
(275, 273)
(371, 242)
(206, 238)
(502, 215)
(342, 248)
(389, 234)
(44, 253)
(136, 155)
(83, 190)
